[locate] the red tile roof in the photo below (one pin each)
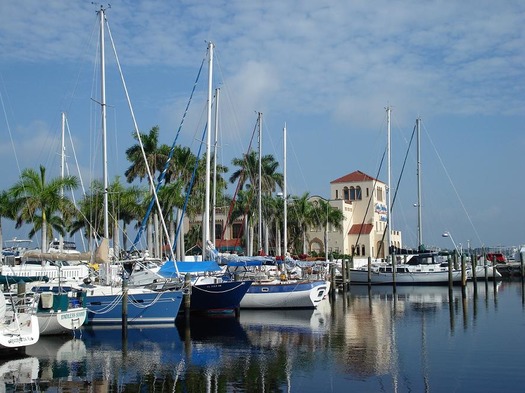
(353, 177)
(363, 229)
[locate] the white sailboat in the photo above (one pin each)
(18, 325)
(278, 292)
(419, 269)
(106, 302)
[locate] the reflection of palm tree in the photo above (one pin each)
(36, 201)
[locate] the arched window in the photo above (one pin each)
(357, 250)
(363, 250)
(353, 250)
(345, 194)
(358, 194)
(352, 193)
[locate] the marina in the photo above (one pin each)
(422, 338)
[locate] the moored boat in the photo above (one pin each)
(18, 326)
(278, 292)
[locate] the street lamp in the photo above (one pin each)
(447, 234)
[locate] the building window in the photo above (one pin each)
(346, 195)
(237, 231)
(218, 231)
(336, 194)
(367, 194)
(358, 195)
(352, 193)
(379, 194)
(363, 250)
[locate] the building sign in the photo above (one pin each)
(381, 209)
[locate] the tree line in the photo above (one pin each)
(43, 203)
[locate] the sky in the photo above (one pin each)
(326, 69)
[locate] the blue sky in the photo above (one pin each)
(328, 69)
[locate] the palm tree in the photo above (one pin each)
(37, 201)
(124, 204)
(155, 159)
(248, 174)
(6, 211)
(301, 215)
(156, 156)
(325, 215)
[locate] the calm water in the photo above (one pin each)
(414, 341)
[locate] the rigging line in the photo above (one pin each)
(162, 175)
(192, 181)
(150, 177)
(9, 128)
(387, 228)
(239, 185)
(78, 171)
(368, 207)
(452, 184)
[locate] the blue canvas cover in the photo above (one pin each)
(168, 268)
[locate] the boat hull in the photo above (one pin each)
(143, 307)
(285, 295)
(358, 276)
(61, 322)
(225, 296)
(21, 332)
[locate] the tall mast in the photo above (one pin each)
(419, 222)
(206, 217)
(285, 196)
(259, 194)
(103, 115)
(62, 164)
(389, 163)
(214, 193)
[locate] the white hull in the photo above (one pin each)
(283, 295)
(488, 272)
(61, 322)
(358, 276)
(21, 331)
(69, 273)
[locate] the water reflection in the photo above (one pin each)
(373, 339)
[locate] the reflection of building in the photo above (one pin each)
(363, 201)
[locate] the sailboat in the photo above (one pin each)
(277, 292)
(18, 325)
(210, 293)
(419, 269)
(109, 302)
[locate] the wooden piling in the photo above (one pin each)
(463, 272)
(450, 281)
(124, 306)
(332, 280)
(474, 264)
(187, 296)
(369, 270)
(522, 271)
(343, 273)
